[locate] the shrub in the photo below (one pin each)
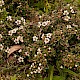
(38, 46)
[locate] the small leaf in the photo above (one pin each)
(67, 0)
(71, 72)
(13, 49)
(58, 78)
(40, 79)
(51, 75)
(13, 77)
(46, 78)
(51, 69)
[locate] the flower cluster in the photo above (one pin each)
(1, 2)
(19, 38)
(38, 65)
(12, 31)
(71, 61)
(46, 37)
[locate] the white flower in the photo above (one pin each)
(31, 72)
(38, 68)
(35, 55)
(39, 53)
(40, 16)
(48, 35)
(76, 65)
(26, 53)
(48, 22)
(39, 71)
(1, 21)
(22, 18)
(35, 71)
(49, 48)
(10, 32)
(61, 66)
(21, 59)
(14, 30)
(9, 18)
(66, 18)
(35, 38)
(42, 36)
(0, 36)
(1, 47)
(21, 27)
(72, 11)
(68, 4)
(20, 50)
(32, 64)
(16, 41)
(44, 23)
(27, 75)
(24, 22)
(69, 26)
(39, 50)
(66, 12)
(46, 40)
(71, 7)
(45, 59)
(1, 2)
(7, 50)
(40, 64)
(20, 38)
(18, 22)
(75, 25)
(39, 24)
(44, 54)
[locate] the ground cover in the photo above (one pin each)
(40, 40)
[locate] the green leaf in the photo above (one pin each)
(51, 68)
(68, 0)
(79, 0)
(47, 6)
(58, 78)
(40, 79)
(13, 77)
(39, 5)
(46, 78)
(71, 72)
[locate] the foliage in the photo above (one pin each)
(40, 40)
